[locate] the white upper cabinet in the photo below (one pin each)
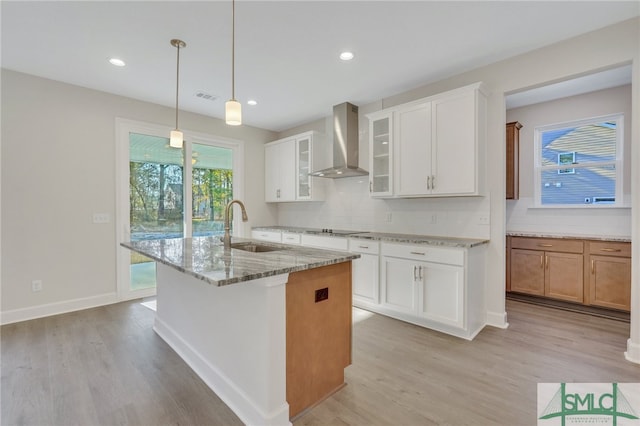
(436, 145)
(381, 154)
(288, 163)
(413, 149)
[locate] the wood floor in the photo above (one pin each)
(106, 366)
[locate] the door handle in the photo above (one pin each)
(370, 186)
(420, 276)
(547, 261)
(545, 245)
(433, 182)
(414, 273)
(418, 253)
(610, 250)
(593, 266)
(428, 182)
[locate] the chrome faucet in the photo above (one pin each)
(226, 240)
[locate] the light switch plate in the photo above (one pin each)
(101, 218)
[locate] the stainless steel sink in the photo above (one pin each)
(256, 248)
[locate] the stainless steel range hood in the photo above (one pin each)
(345, 144)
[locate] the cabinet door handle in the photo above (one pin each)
(370, 186)
(433, 182)
(545, 245)
(428, 182)
(414, 273)
(610, 250)
(420, 276)
(363, 247)
(278, 193)
(546, 259)
(593, 266)
(418, 253)
(541, 260)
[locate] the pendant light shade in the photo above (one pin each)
(233, 109)
(176, 138)
(233, 112)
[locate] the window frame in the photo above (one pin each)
(618, 162)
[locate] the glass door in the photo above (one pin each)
(303, 149)
(160, 195)
(380, 166)
(155, 200)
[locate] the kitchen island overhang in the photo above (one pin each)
(225, 313)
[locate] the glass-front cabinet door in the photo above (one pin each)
(380, 153)
(303, 160)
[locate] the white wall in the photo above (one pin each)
(58, 168)
(584, 222)
(595, 51)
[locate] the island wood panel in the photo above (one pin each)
(318, 334)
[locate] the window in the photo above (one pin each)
(579, 163)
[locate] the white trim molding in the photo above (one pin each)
(40, 311)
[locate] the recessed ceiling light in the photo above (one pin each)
(252, 102)
(346, 56)
(117, 62)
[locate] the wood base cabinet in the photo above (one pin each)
(547, 267)
(610, 275)
(588, 272)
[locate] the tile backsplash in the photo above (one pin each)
(348, 206)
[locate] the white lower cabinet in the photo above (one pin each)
(272, 236)
(329, 243)
(365, 272)
(438, 288)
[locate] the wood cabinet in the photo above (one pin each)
(547, 267)
(609, 272)
(288, 163)
(435, 146)
(513, 160)
(318, 336)
(589, 272)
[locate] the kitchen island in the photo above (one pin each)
(269, 331)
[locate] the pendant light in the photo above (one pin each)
(176, 135)
(233, 109)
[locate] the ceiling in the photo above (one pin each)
(286, 52)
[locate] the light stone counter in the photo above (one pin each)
(568, 236)
(205, 258)
(384, 236)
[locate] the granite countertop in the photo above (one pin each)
(383, 236)
(568, 236)
(205, 258)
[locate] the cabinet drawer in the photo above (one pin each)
(547, 244)
(605, 248)
(273, 236)
(424, 253)
(330, 243)
(364, 246)
(290, 238)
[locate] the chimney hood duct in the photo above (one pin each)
(345, 144)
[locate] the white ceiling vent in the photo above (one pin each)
(206, 96)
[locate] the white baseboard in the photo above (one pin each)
(633, 352)
(497, 319)
(40, 311)
(226, 390)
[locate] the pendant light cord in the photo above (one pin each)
(233, 50)
(177, 81)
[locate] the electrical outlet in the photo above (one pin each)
(434, 218)
(484, 220)
(101, 218)
(388, 216)
(36, 285)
